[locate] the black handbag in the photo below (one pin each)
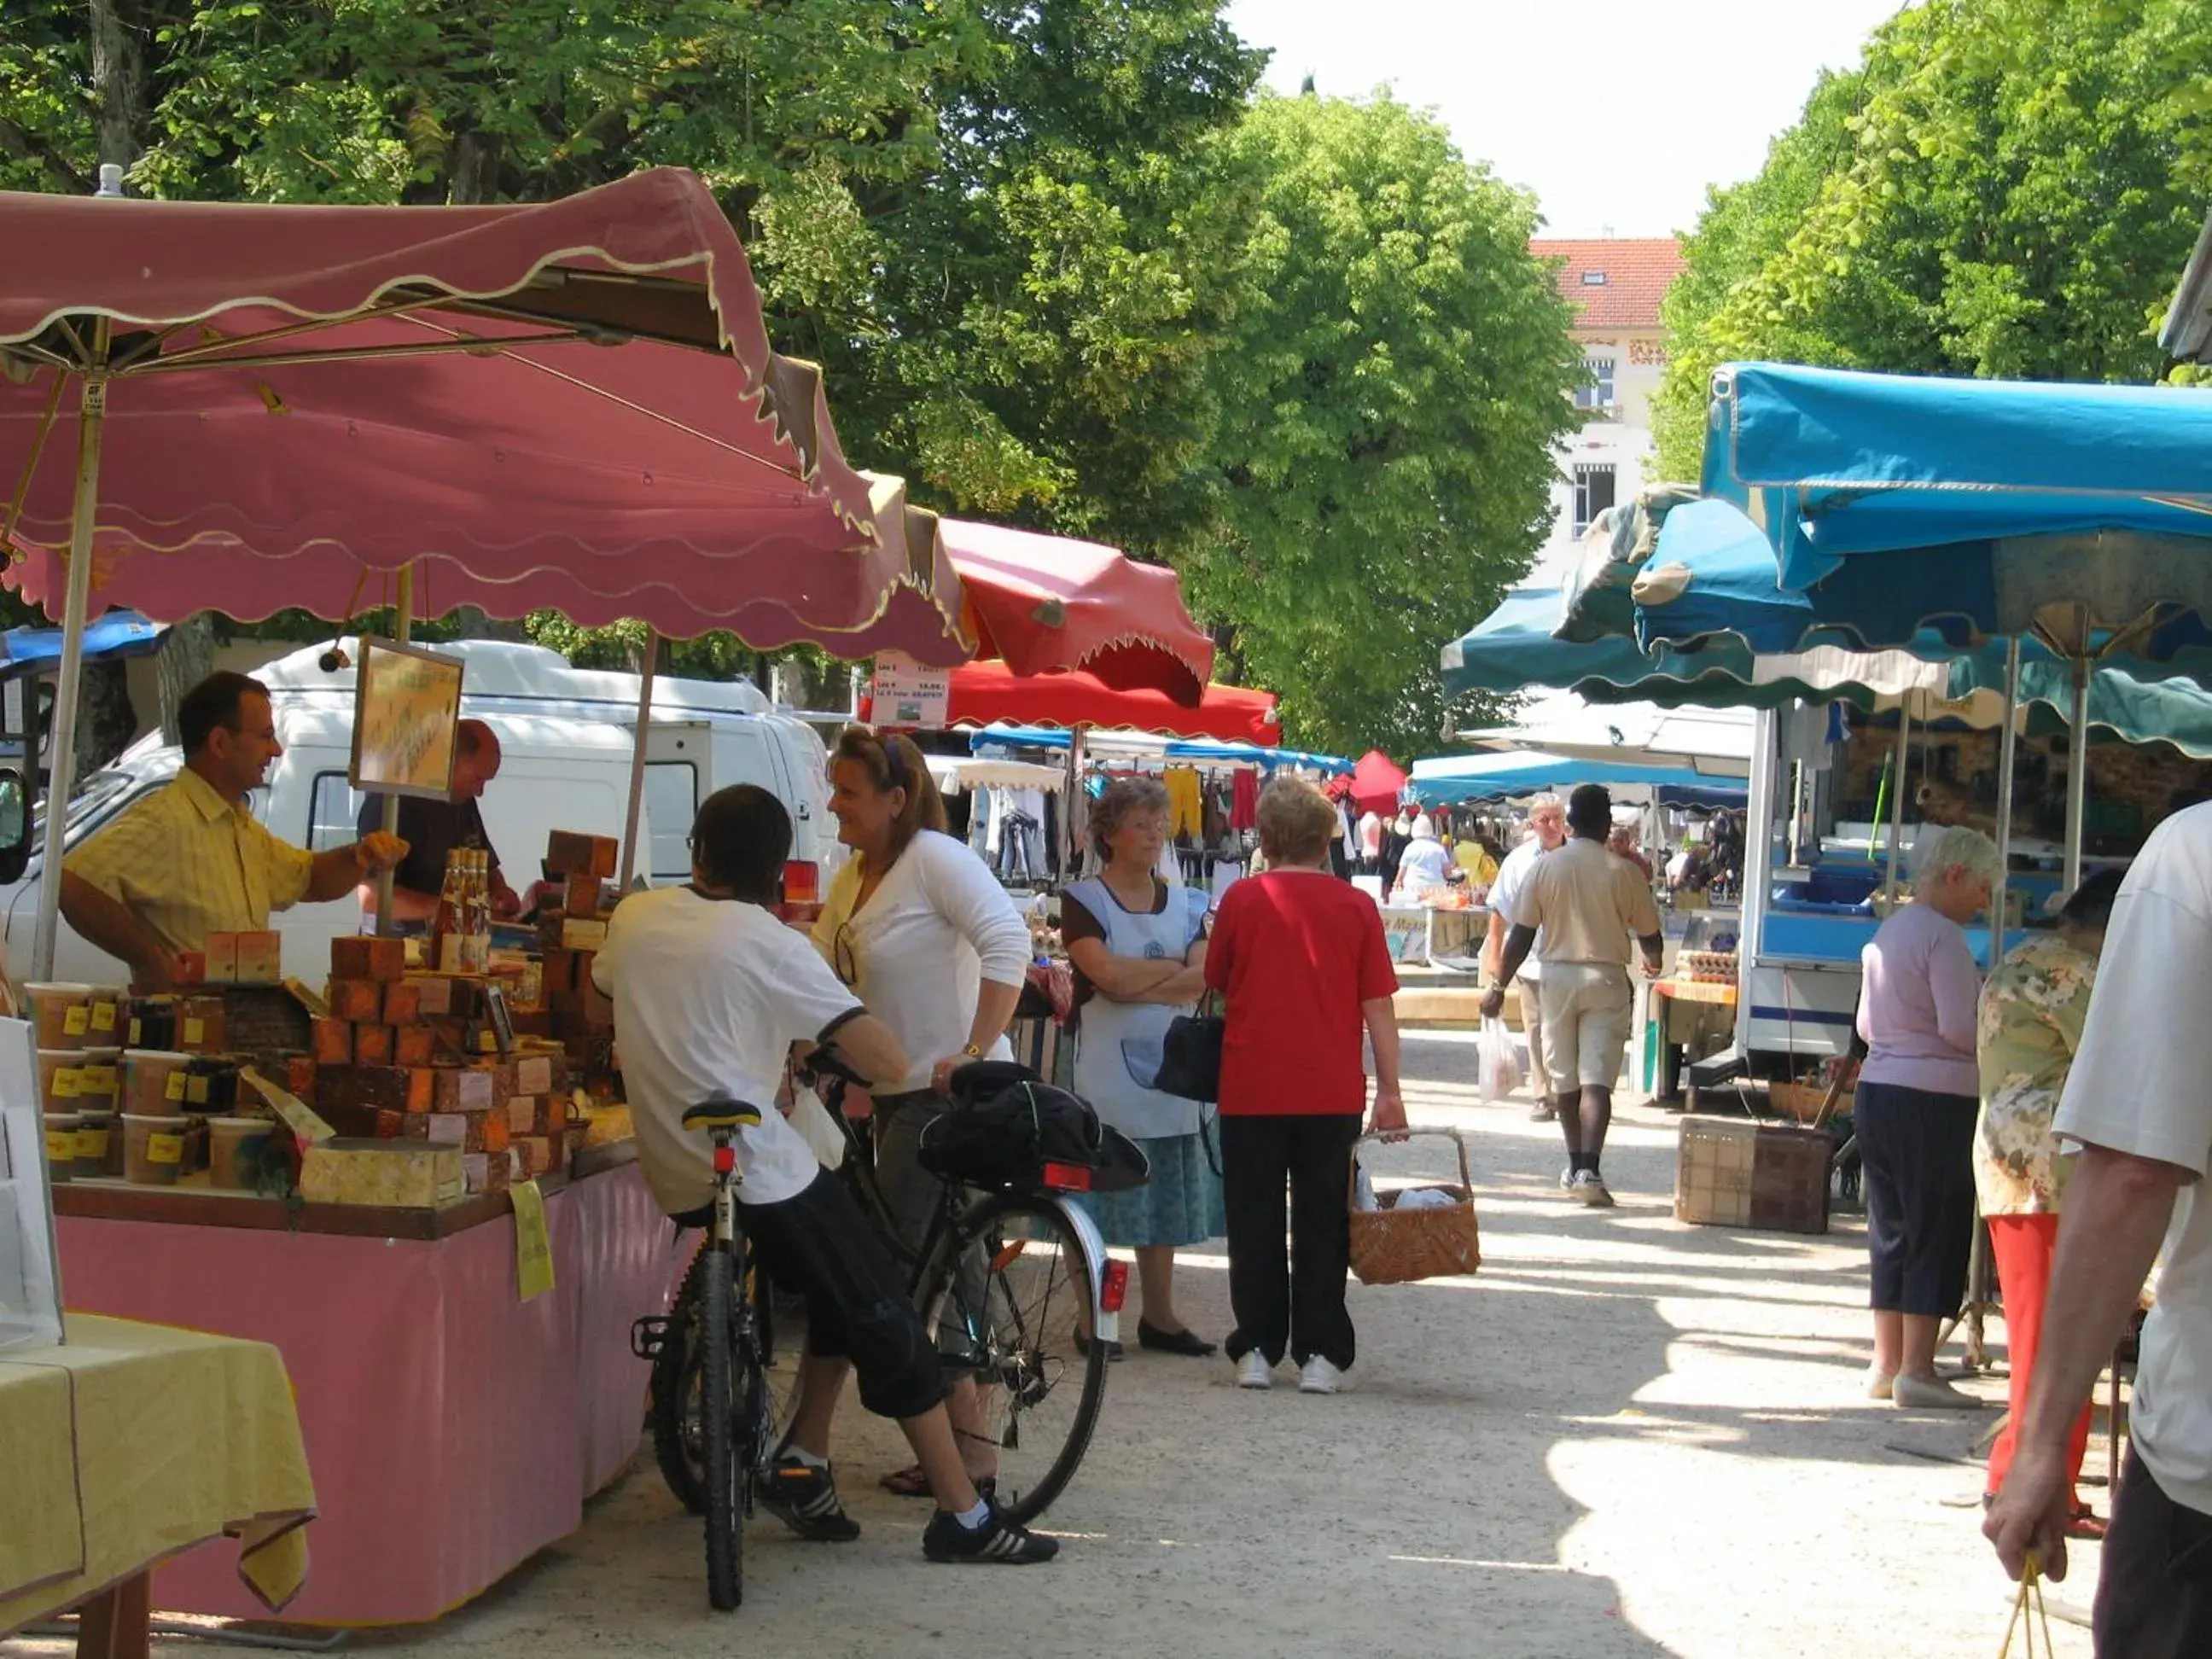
(1190, 1055)
(1029, 1136)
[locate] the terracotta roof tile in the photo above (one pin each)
(1638, 273)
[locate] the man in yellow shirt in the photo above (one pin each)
(191, 860)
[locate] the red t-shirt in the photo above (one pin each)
(1296, 952)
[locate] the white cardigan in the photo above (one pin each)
(937, 926)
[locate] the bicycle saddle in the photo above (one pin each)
(722, 1114)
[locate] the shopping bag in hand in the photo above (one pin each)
(1499, 1065)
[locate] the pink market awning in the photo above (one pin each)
(569, 405)
(990, 693)
(1041, 604)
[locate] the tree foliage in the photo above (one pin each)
(2002, 188)
(1386, 405)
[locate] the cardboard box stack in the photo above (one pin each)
(575, 1011)
(407, 1055)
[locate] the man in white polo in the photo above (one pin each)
(1547, 831)
(2138, 1103)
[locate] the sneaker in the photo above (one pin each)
(1543, 1113)
(1001, 1540)
(1320, 1377)
(1926, 1394)
(1253, 1371)
(1878, 1383)
(1589, 1190)
(804, 1499)
(1567, 1178)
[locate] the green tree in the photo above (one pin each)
(2004, 188)
(1386, 405)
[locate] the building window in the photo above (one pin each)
(1593, 279)
(1593, 494)
(1597, 390)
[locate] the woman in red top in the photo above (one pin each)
(1303, 960)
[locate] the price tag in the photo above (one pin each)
(92, 1143)
(137, 1030)
(64, 1082)
(165, 1149)
(195, 1033)
(195, 1090)
(534, 1245)
(103, 1017)
(77, 1021)
(175, 1088)
(61, 1146)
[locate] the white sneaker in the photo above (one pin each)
(1320, 1377)
(1253, 1371)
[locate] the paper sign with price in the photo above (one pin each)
(908, 694)
(533, 1246)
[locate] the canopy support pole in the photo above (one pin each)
(2007, 744)
(403, 630)
(1897, 800)
(2077, 773)
(1758, 865)
(637, 758)
(1074, 828)
(92, 427)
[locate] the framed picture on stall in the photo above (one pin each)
(406, 721)
(30, 1260)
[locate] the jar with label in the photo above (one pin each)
(200, 1025)
(150, 1023)
(155, 1080)
(61, 1146)
(154, 1148)
(99, 1145)
(70, 1016)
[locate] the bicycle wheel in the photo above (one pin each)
(676, 1444)
(1038, 1398)
(719, 1437)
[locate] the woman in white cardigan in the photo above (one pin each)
(920, 928)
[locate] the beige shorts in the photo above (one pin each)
(1587, 1007)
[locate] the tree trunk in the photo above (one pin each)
(187, 658)
(119, 77)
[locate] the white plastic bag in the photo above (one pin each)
(1497, 1063)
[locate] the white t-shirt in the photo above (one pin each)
(937, 926)
(709, 995)
(1506, 898)
(1422, 868)
(2142, 1083)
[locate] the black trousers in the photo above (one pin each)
(1292, 1303)
(1916, 1149)
(2154, 1597)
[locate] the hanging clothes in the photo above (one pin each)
(1186, 805)
(1244, 801)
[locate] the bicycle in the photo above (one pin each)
(1038, 1255)
(713, 1420)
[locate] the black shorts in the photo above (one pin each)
(820, 1245)
(2154, 1597)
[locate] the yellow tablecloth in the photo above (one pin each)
(130, 1442)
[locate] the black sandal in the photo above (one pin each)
(1185, 1341)
(1083, 1348)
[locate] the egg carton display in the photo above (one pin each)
(1706, 967)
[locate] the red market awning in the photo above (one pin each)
(568, 405)
(1376, 783)
(989, 693)
(1040, 604)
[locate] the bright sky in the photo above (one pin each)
(1618, 113)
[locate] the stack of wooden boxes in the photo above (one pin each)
(1741, 1172)
(578, 1013)
(416, 1056)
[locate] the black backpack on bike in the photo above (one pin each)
(1027, 1135)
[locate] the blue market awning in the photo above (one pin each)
(1194, 749)
(118, 634)
(1440, 781)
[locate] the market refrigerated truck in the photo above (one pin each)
(566, 735)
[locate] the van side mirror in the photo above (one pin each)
(15, 825)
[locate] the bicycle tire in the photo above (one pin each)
(718, 1426)
(675, 1394)
(1037, 1281)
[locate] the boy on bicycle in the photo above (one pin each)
(711, 990)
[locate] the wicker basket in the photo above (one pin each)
(1396, 1247)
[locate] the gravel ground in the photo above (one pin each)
(1624, 1436)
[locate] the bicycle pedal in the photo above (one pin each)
(648, 1336)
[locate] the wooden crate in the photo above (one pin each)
(1734, 1172)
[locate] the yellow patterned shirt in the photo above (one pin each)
(188, 863)
(2029, 1024)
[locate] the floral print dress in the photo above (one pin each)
(2029, 1024)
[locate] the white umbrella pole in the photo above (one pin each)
(2008, 743)
(637, 758)
(92, 424)
(2077, 773)
(1897, 798)
(403, 630)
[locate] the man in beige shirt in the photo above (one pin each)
(191, 860)
(1588, 902)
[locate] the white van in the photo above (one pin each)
(566, 735)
